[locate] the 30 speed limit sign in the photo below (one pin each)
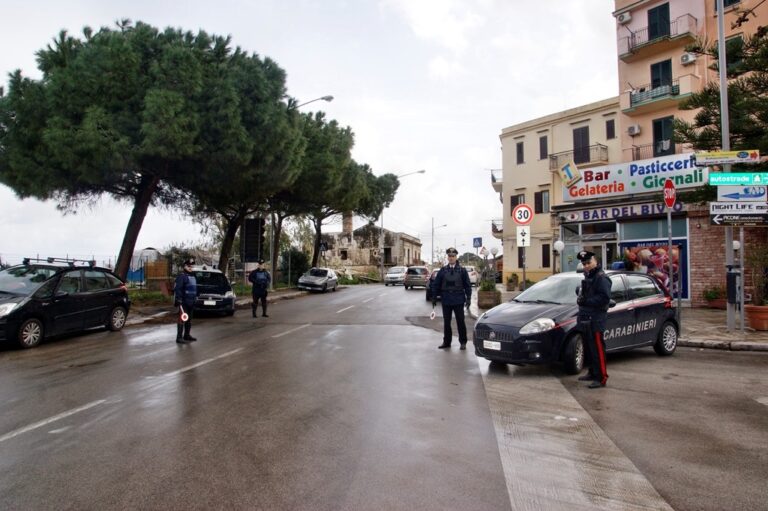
(522, 214)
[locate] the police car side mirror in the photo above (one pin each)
(611, 304)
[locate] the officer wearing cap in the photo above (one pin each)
(259, 279)
(593, 300)
(184, 296)
(453, 286)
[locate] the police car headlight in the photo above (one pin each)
(537, 326)
(7, 308)
(229, 294)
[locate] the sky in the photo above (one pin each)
(424, 84)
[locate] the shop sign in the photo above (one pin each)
(640, 176)
(705, 158)
(619, 212)
(742, 193)
(738, 178)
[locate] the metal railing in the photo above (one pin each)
(646, 93)
(597, 153)
(660, 148)
(682, 26)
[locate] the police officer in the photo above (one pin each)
(453, 286)
(259, 279)
(184, 295)
(593, 300)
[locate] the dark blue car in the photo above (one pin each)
(539, 325)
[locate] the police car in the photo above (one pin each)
(539, 325)
(214, 291)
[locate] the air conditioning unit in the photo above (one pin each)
(687, 58)
(624, 17)
(633, 130)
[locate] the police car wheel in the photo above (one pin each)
(667, 341)
(117, 319)
(573, 356)
(31, 333)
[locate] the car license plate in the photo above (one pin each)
(492, 345)
(210, 303)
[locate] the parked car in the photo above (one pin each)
(473, 275)
(432, 276)
(45, 297)
(539, 325)
(416, 276)
(395, 276)
(214, 291)
(319, 279)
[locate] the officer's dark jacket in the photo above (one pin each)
(596, 290)
(185, 289)
(452, 285)
(260, 279)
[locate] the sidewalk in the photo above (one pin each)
(701, 328)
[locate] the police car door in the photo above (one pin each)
(621, 317)
(650, 303)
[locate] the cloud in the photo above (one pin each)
(442, 67)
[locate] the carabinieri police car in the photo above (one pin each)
(539, 325)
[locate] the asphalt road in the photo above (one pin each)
(342, 401)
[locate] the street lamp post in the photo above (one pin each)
(381, 233)
(432, 246)
(322, 98)
(559, 247)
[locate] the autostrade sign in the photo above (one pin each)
(635, 177)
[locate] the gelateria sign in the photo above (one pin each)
(634, 177)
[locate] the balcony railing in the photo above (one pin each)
(660, 148)
(497, 228)
(597, 153)
(647, 93)
(684, 26)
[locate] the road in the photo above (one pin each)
(342, 401)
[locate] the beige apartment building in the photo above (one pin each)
(621, 151)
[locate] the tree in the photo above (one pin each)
(133, 112)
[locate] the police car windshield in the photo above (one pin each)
(316, 272)
(24, 280)
(206, 278)
(558, 290)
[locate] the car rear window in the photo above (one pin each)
(95, 281)
(417, 271)
(642, 286)
(314, 272)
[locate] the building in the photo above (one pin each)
(620, 151)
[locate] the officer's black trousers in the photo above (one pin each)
(594, 346)
(458, 310)
(255, 303)
(184, 327)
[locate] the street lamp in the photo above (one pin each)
(323, 98)
(433, 238)
(559, 246)
(381, 233)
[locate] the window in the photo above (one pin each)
(520, 257)
(727, 3)
(541, 202)
(661, 74)
(734, 52)
(543, 148)
(70, 282)
(520, 154)
(662, 136)
(581, 145)
(618, 293)
(95, 281)
(653, 229)
(658, 22)
(545, 255)
(642, 286)
(610, 129)
(343, 255)
(514, 200)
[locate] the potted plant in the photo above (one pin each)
(512, 282)
(487, 294)
(757, 266)
(715, 297)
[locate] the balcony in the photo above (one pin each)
(644, 43)
(660, 148)
(496, 179)
(592, 155)
(497, 228)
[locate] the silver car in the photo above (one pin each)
(395, 276)
(319, 279)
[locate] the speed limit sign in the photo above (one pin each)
(522, 214)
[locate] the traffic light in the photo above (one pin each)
(253, 239)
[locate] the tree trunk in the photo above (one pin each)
(277, 228)
(233, 224)
(318, 222)
(147, 189)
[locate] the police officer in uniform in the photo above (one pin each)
(455, 290)
(184, 295)
(593, 300)
(259, 279)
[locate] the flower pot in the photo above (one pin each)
(757, 315)
(488, 299)
(717, 303)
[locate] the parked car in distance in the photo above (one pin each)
(45, 297)
(214, 291)
(539, 325)
(432, 276)
(395, 276)
(416, 276)
(473, 275)
(319, 279)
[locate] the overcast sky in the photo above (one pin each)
(424, 84)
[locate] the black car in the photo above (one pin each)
(539, 325)
(214, 291)
(45, 297)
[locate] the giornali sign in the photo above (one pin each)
(635, 177)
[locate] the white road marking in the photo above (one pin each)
(345, 309)
(201, 363)
(762, 400)
(43, 422)
(368, 300)
(291, 331)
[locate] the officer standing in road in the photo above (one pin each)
(453, 286)
(184, 295)
(259, 279)
(593, 300)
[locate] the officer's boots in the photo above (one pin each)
(179, 331)
(264, 309)
(253, 310)
(187, 328)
